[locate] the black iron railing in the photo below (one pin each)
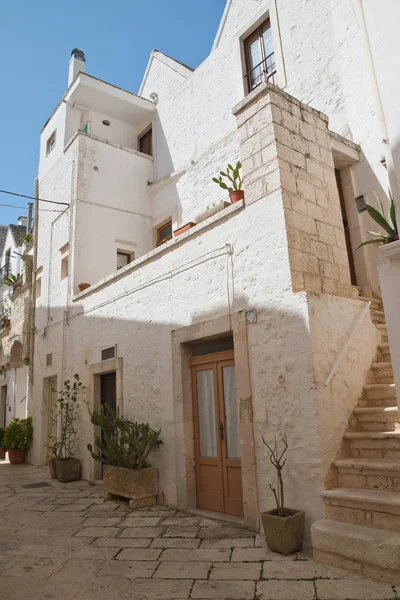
(4, 272)
(264, 71)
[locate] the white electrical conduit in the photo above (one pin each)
(347, 344)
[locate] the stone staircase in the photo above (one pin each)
(361, 531)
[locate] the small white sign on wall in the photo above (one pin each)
(251, 316)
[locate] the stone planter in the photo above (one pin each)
(139, 486)
(284, 534)
(68, 470)
(236, 196)
(184, 228)
(391, 250)
(53, 468)
(17, 457)
(212, 211)
(2, 454)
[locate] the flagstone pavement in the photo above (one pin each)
(65, 542)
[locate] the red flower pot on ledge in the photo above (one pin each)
(236, 196)
(83, 286)
(184, 228)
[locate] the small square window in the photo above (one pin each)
(64, 267)
(146, 142)
(51, 142)
(49, 360)
(164, 233)
(124, 258)
(38, 287)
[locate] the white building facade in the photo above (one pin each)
(232, 327)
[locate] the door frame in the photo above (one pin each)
(95, 371)
(236, 325)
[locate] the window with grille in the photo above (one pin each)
(260, 57)
(108, 353)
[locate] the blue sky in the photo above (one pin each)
(36, 39)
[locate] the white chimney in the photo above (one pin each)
(77, 64)
(23, 221)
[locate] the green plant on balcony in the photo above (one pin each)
(388, 224)
(13, 280)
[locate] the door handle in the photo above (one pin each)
(221, 431)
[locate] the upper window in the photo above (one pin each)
(51, 142)
(164, 233)
(146, 142)
(7, 263)
(260, 58)
(124, 258)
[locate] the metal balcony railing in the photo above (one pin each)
(4, 272)
(264, 71)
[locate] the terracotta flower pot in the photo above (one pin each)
(68, 469)
(284, 534)
(184, 228)
(236, 196)
(83, 286)
(53, 468)
(2, 453)
(17, 457)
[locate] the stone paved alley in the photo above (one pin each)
(64, 542)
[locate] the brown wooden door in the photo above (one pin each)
(346, 228)
(216, 432)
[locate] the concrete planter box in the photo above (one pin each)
(139, 486)
(68, 470)
(212, 211)
(284, 534)
(391, 250)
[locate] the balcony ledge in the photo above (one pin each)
(227, 212)
(391, 251)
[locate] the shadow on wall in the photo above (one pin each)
(281, 372)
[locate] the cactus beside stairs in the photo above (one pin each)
(361, 531)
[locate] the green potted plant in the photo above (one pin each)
(2, 448)
(283, 527)
(68, 467)
(388, 224)
(212, 209)
(13, 280)
(18, 439)
(54, 449)
(234, 187)
(123, 448)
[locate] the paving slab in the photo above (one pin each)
(129, 569)
(285, 590)
(223, 589)
(236, 571)
(77, 569)
(139, 554)
(183, 570)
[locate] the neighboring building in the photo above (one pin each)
(234, 327)
(15, 320)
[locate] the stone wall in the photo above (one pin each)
(285, 144)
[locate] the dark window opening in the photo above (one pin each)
(260, 57)
(164, 233)
(146, 142)
(123, 259)
(212, 346)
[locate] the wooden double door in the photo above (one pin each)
(216, 434)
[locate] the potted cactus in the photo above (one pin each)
(235, 182)
(123, 448)
(283, 527)
(18, 439)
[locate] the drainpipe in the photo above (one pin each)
(33, 299)
(393, 182)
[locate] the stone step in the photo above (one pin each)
(377, 418)
(382, 328)
(375, 303)
(372, 508)
(373, 444)
(367, 551)
(383, 474)
(376, 392)
(378, 316)
(381, 372)
(384, 351)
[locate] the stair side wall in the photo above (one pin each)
(332, 319)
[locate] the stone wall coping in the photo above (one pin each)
(227, 212)
(344, 140)
(266, 88)
(104, 141)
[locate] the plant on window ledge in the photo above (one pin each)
(13, 280)
(234, 187)
(389, 225)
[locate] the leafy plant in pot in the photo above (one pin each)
(388, 224)
(123, 448)
(68, 468)
(235, 180)
(283, 527)
(2, 448)
(18, 439)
